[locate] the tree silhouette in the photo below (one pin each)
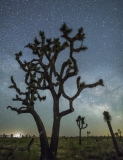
(116, 134)
(108, 119)
(41, 73)
(28, 101)
(119, 131)
(88, 132)
(80, 122)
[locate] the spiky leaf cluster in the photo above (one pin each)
(65, 29)
(107, 116)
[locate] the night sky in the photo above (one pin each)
(102, 20)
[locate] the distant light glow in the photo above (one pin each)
(18, 135)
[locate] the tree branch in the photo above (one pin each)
(83, 86)
(68, 111)
(15, 86)
(19, 110)
(80, 87)
(82, 48)
(17, 98)
(99, 83)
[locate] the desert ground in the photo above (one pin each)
(92, 148)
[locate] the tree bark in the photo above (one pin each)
(114, 140)
(54, 139)
(42, 136)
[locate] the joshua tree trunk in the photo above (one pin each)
(54, 139)
(55, 129)
(114, 140)
(80, 137)
(42, 135)
(80, 123)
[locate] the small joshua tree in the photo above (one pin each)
(11, 135)
(119, 131)
(116, 134)
(88, 133)
(108, 118)
(80, 123)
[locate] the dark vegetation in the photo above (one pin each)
(12, 149)
(42, 73)
(92, 148)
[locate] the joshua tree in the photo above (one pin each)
(116, 134)
(42, 73)
(88, 133)
(80, 122)
(108, 119)
(119, 131)
(11, 135)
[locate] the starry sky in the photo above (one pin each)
(102, 20)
